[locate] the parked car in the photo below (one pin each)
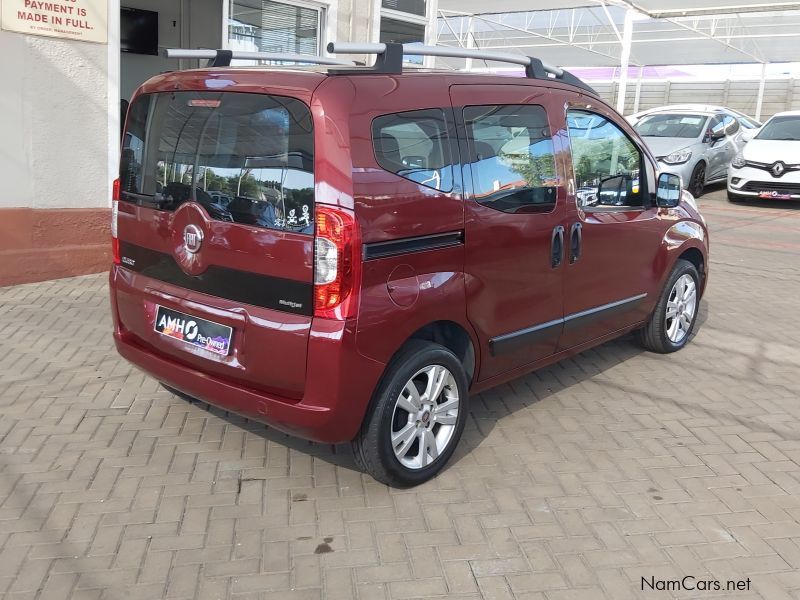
(447, 252)
(696, 144)
(746, 121)
(769, 164)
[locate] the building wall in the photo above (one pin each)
(54, 147)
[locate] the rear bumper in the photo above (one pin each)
(339, 383)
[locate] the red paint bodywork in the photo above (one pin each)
(315, 377)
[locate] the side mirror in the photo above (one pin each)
(748, 134)
(668, 191)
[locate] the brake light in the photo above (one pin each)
(337, 263)
(114, 214)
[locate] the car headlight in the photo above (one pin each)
(677, 158)
(738, 161)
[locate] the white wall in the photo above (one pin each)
(53, 122)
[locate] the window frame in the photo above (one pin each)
(449, 147)
(644, 163)
(326, 28)
(469, 147)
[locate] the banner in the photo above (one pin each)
(84, 20)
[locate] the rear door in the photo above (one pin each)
(216, 222)
(514, 222)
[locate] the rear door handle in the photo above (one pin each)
(575, 242)
(557, 247)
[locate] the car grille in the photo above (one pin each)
(772, 186)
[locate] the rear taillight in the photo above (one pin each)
(337, 263)
(114, 214)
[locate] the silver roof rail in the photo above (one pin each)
(223, 58)
(390, 59)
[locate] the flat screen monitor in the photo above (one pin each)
(139, 31)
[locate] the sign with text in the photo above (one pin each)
(85, 20)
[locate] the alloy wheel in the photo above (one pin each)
(681, 308)
(424, 417)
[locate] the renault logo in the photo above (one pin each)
(192, 238)
(778, 168)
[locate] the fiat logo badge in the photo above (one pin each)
(778, 168)
(192, 238)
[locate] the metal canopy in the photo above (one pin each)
(662, 32)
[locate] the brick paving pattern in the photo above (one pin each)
(574, 482)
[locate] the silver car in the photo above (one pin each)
(697, 144)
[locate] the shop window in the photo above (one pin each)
(267, 26)
(414, 7)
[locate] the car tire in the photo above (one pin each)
(407, 438)
(673, 320)
(697, 180)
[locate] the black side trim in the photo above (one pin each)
(413, 244)
(240, 286)
(508, 342)
(584, 318)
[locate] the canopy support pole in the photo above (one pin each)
(625, 55)
(761, 86)
(638, 95)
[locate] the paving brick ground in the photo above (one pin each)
(573, 482)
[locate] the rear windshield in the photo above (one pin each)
(781, 128)
(246, 158)
(671, 125)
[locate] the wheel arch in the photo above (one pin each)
(452, 336)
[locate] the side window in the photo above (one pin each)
(415, 146)
(130, 172)
(511, 157)
(606, 162)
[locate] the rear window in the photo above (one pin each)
(246, 158)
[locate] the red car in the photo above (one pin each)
(348, 254)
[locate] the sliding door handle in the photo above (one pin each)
(575, 242)
(557, 247)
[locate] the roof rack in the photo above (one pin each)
(390, 60)
(223, 58)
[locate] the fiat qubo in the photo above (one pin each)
(347, 253)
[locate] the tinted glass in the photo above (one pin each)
(671, 125)
(415, 7)
(606, 162)
(246, 158)
(781, 128)
(511, 155)
(414, 145)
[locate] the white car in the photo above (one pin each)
(769, 164)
